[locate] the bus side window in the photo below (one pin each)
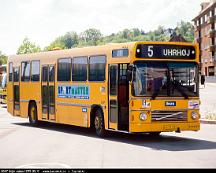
(97, 65)
(25, 71)
(64, 69)
(35, 71)
(79, 69)
(10, 72)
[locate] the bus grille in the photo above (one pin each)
(169, 115)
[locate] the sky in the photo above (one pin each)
(44, 20)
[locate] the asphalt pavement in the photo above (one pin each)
(63, 146)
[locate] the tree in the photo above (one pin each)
(90, 37)
(136, 32)
(67, 41)
(28, 47)
(186, 30)
(57, 44)
(3, 58)
(70, 39)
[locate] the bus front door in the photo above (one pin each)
(113, 97)
(48, 92)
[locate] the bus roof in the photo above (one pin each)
(84, 51)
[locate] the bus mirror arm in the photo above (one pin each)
(130, 72)
(129, 75)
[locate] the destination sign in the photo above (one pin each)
(165, 51)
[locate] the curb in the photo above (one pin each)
(204, 121)
(212, 84)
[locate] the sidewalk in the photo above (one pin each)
(208, 101)
(205, 121)
(212, 84)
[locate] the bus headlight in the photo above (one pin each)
(143, 116)
(194, 115)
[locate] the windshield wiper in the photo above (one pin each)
(155, 94)
(178, 86)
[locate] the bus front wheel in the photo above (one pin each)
(33, 118)
(155, 134)
(99, 123)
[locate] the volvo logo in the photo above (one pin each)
(170, 103)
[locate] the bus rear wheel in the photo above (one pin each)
(33, 118)
(99, 123)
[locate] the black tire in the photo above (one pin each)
(33, 118)
(155, 134)
(99, 123)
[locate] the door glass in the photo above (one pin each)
(16, 97)
(51, 74)
(51, 99)
(113, 111)
(45, 74)
(113, 80)
(45, 99)
(16, 74)
(113, 94)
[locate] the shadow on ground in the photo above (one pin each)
(162, 142)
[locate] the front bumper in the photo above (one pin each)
(164, 127)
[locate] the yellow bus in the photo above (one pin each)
(137, 87)
(3, 84)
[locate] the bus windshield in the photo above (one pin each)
(156, 79)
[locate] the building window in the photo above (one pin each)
(35, 71)
(10, 72)
(16, 74)
(211, 70)
(206, 17)
(25, 71)
(97, 65)
(64, 69)
(201, 20)
(79, 69)
(210, 13)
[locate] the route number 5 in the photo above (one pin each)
(150, 51)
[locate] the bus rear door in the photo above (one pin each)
(48, 92)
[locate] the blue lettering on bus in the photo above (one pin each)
(73, 91)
